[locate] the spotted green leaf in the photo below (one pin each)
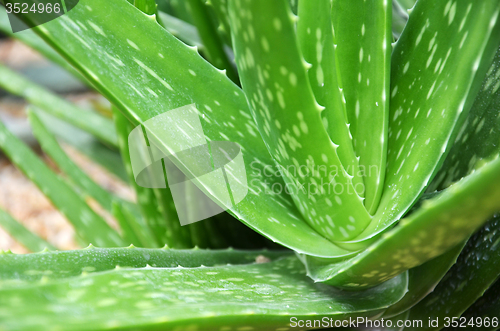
(362, 34)
(95, 124)
(289, 118)
(143, 86)
(476, 270)
(89, 226)
(258, 296)
(22, 235)
(440, 224)
(212, 41)
(423, 279)
(478, 139)
(220, 10)
(431, 95)
(18, 270)
(314, 30)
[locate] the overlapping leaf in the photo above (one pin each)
(100, 127)
(362, 33)
(289, 118)
(262, 296)
(314, 30)
(476, 270)
(440, 224)
(431, 95)
(136, 72)
(89, 226)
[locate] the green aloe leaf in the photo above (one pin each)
(212, 41)
(478, 139)
(423, 279)
(431, 95)
(21, 270)
(476, 270)
(220, 9)
(127, 217)
(85, 143)
(50, 146)
(440, 224)
(284, 108)
(93, 123)
(146, 6)
(362, 33)
(89, 226)
(22, 235)
(314, 30)
(258, 296)
(138, 90)
(155, 226)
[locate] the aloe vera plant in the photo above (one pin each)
(369, 163)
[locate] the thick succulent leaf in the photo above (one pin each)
(220, 9)
(93, 123)
(135, 78)
(182, 30)
(478, 140)
(431, 95)
(151, 210)
(476, 270)
(22, 235)
(440, 224)
(423, 279)
(258, 296)
(18, 270)
(212, 41)
(51, 147)
(89, 226)
(362, 33)
(85, 143)
(289, 118)
(29, 38)
(314, 30)
(485, 308)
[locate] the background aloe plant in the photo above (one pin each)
(411, 128)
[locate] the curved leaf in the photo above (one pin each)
(130, 65)
(289, 118)
(476, 270)
(441, 223)
(362, 33)
(258, 296)
(22, 235)
(431, 95)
